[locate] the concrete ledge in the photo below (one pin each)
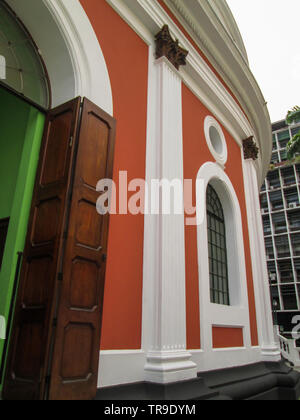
(261, 381)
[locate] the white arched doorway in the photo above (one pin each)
(69, 48)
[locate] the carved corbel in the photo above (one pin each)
(167, 47)
(250, 149)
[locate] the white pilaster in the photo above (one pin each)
(164, 296)
(269, 349)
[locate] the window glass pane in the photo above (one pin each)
(274, 180)
(24, 69)
(283, 138)
(275, 158)
(264, 202)
(283, 135)
(291, 197)
(276, 200)
(279, 223)
(283, 155)
(272, 272)
(288, 175)
(274, 142)
(282, 246)
(288, 294)
(295, 131)
(294, 220)
(267, 225)
(296, 244)
(297, 268)
(269, 249)
(275, 298)
(217, 249)
(285, 269)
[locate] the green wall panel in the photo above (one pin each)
(13, 122)
(20, 139)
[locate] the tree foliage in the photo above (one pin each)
(293, 115)
(293, 146)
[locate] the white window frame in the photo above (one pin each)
(236, 315)
(220, 156)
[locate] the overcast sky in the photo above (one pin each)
(270, 29)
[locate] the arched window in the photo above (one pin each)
(24, 70)
(217, 249)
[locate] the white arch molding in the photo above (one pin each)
(70, 49)
(215, 140)
(236, 315)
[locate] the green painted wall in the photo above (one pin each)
(21, 129)
(13, 122)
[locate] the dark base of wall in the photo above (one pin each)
(261, 381)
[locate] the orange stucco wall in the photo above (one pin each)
(224, 338)
(196, 153)
(126, 57)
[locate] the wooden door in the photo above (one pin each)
(75, 364)
(58, 310)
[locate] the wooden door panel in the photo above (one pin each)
(77, 365)
(37, 281)
(55, 164)
(84, 285)
(88, 227)
(46, 210)
(95, 150)
(27, 361)
(80, 308)
(29, 346)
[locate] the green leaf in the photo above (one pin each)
(293, 115)
(293, 146)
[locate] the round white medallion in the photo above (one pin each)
(216, 140)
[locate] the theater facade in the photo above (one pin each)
(147, 301)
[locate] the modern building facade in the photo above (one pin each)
(280, 204)
(149, 301)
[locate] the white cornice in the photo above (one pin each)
(146, 17)
(223, 13)
(226, 55)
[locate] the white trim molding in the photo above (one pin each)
(237, 314)
(269, 349)
(164, 312)
(70, 49)
(119, 367)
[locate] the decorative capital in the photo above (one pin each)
(250, 149)
(167, 47)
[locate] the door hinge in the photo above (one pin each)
(104, 258)
(71, 141)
